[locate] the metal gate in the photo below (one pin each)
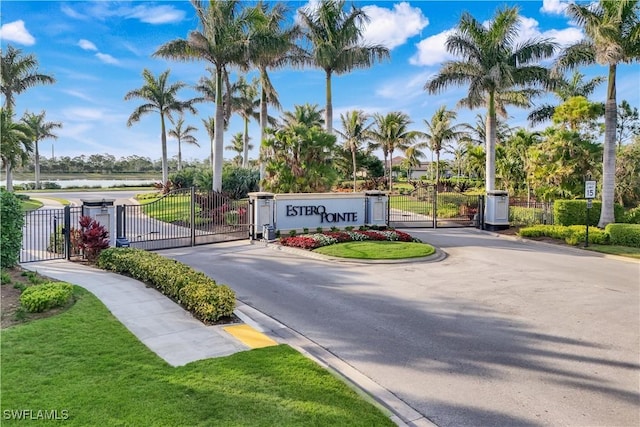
(426, 207)
(46, 233)
(184, 217)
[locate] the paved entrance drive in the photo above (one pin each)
(500, 333)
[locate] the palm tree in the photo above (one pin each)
(565, 90)
(497, 70)
(210, 125)
(441, 132)
(161, 98)
(15, 143)
(612, 31)
(303, 115)
(245, 103)
(238, 144)
(221, 41)
(390, 132)
(336, 47)
(271, 46)
(413, 154)
(18, 74)
(40, 129)
(355, 133)
(183, 134)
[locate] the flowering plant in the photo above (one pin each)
(316, 240)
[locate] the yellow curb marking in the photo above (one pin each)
(249, 336)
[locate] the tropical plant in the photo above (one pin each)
(40, 129)
(10, 229)
(628, 122)
(16, 142)
(441, 133)
(182, 134)
(19, 73)
(238, 146)
(566, 89)
(390, 132)
(335, 43)
(498, 71)
(612, 30)
(628, 174)
(210, 126)
(355, 132)
(162, 98)
(222, 41)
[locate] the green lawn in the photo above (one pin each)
(85, 362)
(377, 250)
(30, 205)
(615, 250)
(168, 208)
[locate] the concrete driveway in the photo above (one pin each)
(500, 333)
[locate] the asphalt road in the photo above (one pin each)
(500, 333)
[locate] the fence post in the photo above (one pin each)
(67, 232)
(192, 215)
(435, 206)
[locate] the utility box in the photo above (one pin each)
(122, 242)
(496, 215)
(377, 208)
(268, 232)
(262, 213)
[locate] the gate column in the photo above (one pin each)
(103, 211)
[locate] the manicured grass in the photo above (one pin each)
(615, 250)
(169, 208)
(63, 202)
(85, 362)
(30, 205)
(377, 250)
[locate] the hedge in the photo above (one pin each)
(39, 298)
(197, 292)
(574, 212)
(624, 234)
(573, 235)
(10, 229)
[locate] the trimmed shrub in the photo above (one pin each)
(574, 212)
(624, 234)
(10, 229)
(573, 235)
(39, 298)
(632, 216)
(204, 298)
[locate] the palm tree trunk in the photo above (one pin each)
(390, 170)
(328, 121)
(218, 134)
(9, 177)
(353, 159)
(490, 145)
(179, 155)
(263, 127)
(437, 168)
(245, 143)
(37, 165)
(165, 167)
(609, 161)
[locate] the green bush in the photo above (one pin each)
(203, 297)
(624, 234)
(573, 235)
(632, 216)
(574, 212)
(10, 229)
(39, 298)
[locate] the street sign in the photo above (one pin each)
(589, 189)
(589, 203)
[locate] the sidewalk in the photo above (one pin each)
(162, 325)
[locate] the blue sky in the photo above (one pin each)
(97, 50)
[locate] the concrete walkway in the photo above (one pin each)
(161, 324)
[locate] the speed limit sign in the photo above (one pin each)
(589, 189)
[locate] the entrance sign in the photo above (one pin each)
(589, 189)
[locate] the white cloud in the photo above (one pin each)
(157, 15)
(432, 50)
(78, 94)
(529, 28)
(392, 27)
(16, 32)
(87, 45)
(71, 13)
(82, 114)
(106, 58)
(404, 87)
(555, 7)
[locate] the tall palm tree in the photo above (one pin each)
(244, 101)
(441, 132)
(221, 41)
(498, 71)
(306, 115)
(15, 143)
(40, 129)
(272, 45)
(183, 134)
(336, 45)
(390, 132)
(566, 89)
(355, 131)
(19, 72)
(238, 144)
(161, 98)
(612, 30)
(413, 155)
(210, 126)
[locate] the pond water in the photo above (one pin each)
(97, 183)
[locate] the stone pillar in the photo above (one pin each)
(103, 211)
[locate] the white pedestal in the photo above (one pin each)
(496, 214)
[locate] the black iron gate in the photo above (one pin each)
(184, 217)
(46, 233)
(427, 207)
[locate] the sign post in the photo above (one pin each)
(589, 194)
